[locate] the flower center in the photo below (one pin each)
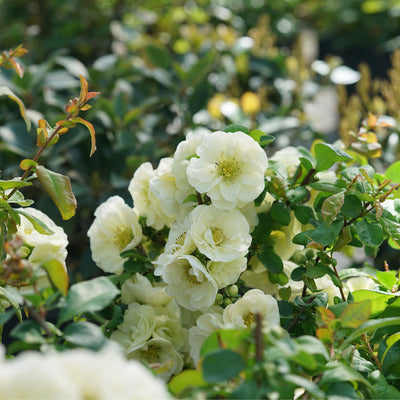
(218, 235)
(249, 319)
(228, 169)
(122, 237)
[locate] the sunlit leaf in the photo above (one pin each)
(327, 154)
(355, 314)
(57, 274)
(58, 187)
(186, 379)
(88, 125)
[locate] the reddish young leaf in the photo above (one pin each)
(88, 125)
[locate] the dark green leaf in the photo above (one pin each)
(298, 195)
(370, 234)
(158, 56)
(28, 331)
(271, 261)
(304, 214)
(325, 187)
(200, 69)
(221, 365)
(280, 212)
(236, 128)
(352, 206)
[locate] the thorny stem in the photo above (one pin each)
(39, 153)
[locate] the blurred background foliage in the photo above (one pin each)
(297, 69)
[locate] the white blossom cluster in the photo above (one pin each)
(78, 374)
(204, 195)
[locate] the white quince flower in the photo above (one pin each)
(289, 157)
(188, 281)
(137, 327)
(153, 194)
(221, 235)
(230, 168)
(242, 313)
(157, 352)
(283, 244)
(184, 151)
(116, 228)
(227, 273)
(138, 289)
(179, 239)
(206, 324)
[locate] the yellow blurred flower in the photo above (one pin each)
(250, 103)
(214, 105)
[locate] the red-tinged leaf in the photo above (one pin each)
(19, 69)
(27, 164)
(84, 91)
(40, 138)
(331, 207)
(57, 274)
(58, 187)
(72, 107)
(90, 95)
(65, 123)
(86, 107)
(326, 316)
(355, 314)
(88, 125)
(324, 334)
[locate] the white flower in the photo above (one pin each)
(139, 289)
(116, 228)
(188, 281)
(206, 324)
(179, 239)
(78, 374)
(160, 353)
(289, 157)
(226, 273)
(184, 151)
(137, 327)
(221, 235)
(230, 168)
(45, 247)
(242, 313)
(153, 193)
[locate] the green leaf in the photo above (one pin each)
(297, 195)
(261, 137)
(39, 226)
(387, 279)
(280, 213)
(307, 384)
(352, 206)
(88, 296)
(18, 198)
(236, 128)
(379, 300)
(7, 294)
(221, 365)
(312, 345)
(57, 274)
(85, 334)
(90, 127)
(317, 271)
(58, 187)
(271, 261)
(393, 172)
(323, 234)
(5, 91)
(337, 372)
(370, 234)
(390, 341)
(192, 198)
(304, 214)
(229, 338)
(158, 56)
(186, 379)
(200, 69)
(325, 187)
(11, 184)
(355, 314)
(29, 332)
(331, 206)
(327, 155)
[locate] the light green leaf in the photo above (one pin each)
(88, 296)
(337, 372)
(58, 187)
(327, 155)
(379, 300)
(186, 379)
(393, 172)
(11, 184)
(5, 91)
(57, 274)
(39, 226)
(9, 296)
(92, 132)
(387, 279)
(331, 206)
